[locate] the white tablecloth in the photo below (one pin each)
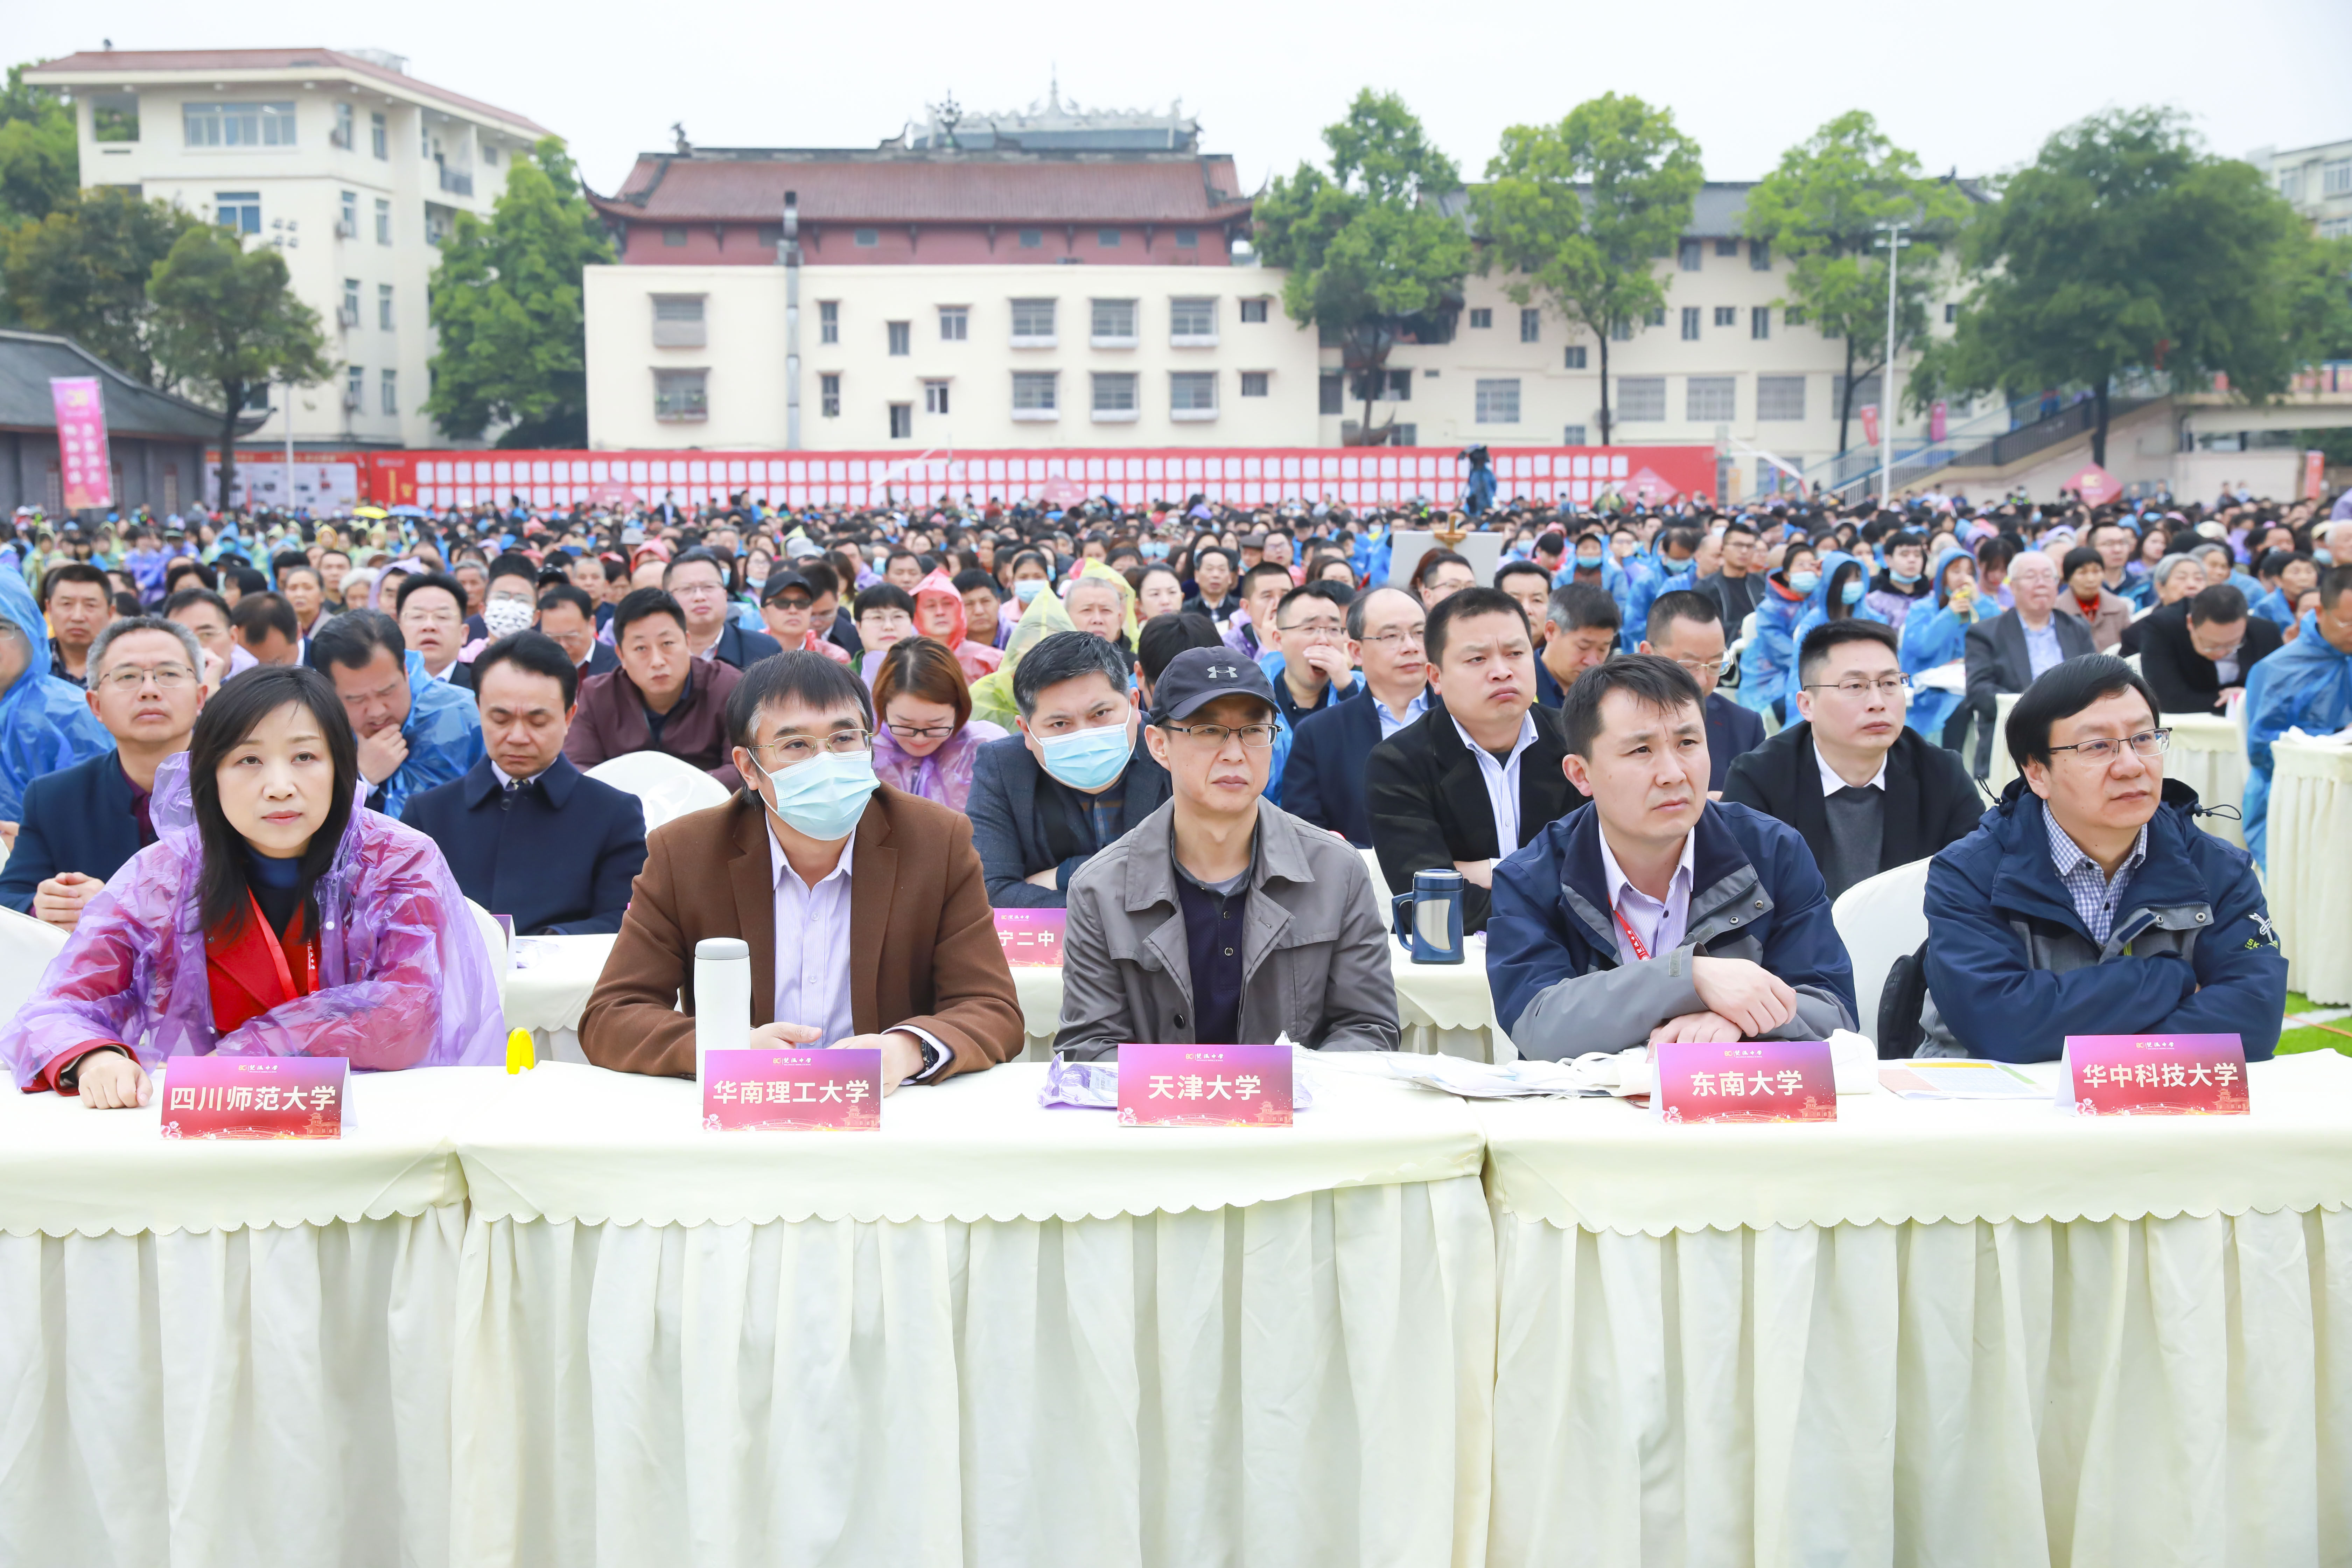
(990, 1332)
(2310, 849)
(2208, 755)
(1964, 1333)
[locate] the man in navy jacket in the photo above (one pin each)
(1651, 914)
(1324, 781)
(525, 832)
(2088, 901)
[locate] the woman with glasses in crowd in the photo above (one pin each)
(928, 735)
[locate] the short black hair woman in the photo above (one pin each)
(318, 928)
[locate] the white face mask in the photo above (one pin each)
(504, 618)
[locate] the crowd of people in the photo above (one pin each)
(1654, 744)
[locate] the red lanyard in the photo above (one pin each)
(276, 944)
(1641, 953)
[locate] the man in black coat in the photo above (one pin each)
(1480, 774)
(1865, 791)
(525, 832)
(2194, 650)
(1323, 782)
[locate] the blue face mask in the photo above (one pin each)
(1087, 759)
(1851, 592)
(1588, 564)
(1805, 582)
(1026, 589)
(1153, 550)
(1906, 578)
(824, 796)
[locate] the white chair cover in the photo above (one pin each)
(27, 945)
(1881, 919)
(667, 787)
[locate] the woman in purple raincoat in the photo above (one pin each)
(273, 916)
(928, 734)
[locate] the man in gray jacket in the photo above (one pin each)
(1220, 918)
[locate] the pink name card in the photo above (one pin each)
(2155, 1075)
(1203, 1086)
(1032, 938)
(254, 1097)
(791, 1091)
(1755, 1081)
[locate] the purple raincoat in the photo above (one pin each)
(945, 776)
(404, 978)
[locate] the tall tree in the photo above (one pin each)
(1819, 211)
(1368, 247)
(505, 301)
(40, 157)
(1579, 213)
(2125, 246)
(224, 321)
(82, 272)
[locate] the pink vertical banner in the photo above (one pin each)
(82, 460)
(1939, 420)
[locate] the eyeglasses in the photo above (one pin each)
(921, 731)
(1317, 628)
(1885, 686)
(2147, 743)
(131, 678)
(1707, 666)
(793, 750)
(1408, 637)
(1254, 736)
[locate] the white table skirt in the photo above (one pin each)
(2103, 1393)
(1302, 1381)
(239, 1398)
(2310, 845)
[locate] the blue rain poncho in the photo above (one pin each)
(44, 723)
(444, 731)
(1935, 633)
(1817, 610)
(2307, 685)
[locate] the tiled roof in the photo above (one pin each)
(131, 63)
(28, 360)
(842, 188)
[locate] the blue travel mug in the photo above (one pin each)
(1434, 932)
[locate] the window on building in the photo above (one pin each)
(1253, 310)
(347, 216)
(1033, 323)
(2289, 183)
(1780, 398)
(902, 421)
(1387, 385)
(902, 338)
(379, 136)
(257, 398)
(238, 125)
(1404, 435)
(828, 393)
(1114, 392)
(239, 212)
(348, 316)
(680, 394)
(1033, 392)
(1727, 315)
(1620, 331)
(955, 323)
(382, 221)
(1865, 393)
(1690, 254)
(935, 397)
(1530, 325)
(678, 322)
(1193, 321)
(1656, 317)
(1032, 239)
(1331, 393)
(1481, 317)
(490, 153)
(1759, 321)
(1497, 401)
(383, 307)
(1571, 435)
(828, 320)
(1710, 399)
(388, 386)
(1574, 358)
(1726, 247)
(1192, 392)
(2334, 179)
(1759, 255)
(341, 134)
(1641, 399)
(673, 233)
(355, 388)
(1793, 315)
(1108, 238)
(1188, 239)
(1113, 321)
(865, 238)
(114, 117)
(1690, 324)
(1254, 382)
(1951, 314)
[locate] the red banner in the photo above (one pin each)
(1239, 477)
(1939, 420)
(1870, 423)
(2314, 475)
(82, 462)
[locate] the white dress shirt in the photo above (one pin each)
(1831, 784)
(1391, 723)
(1660, 923)
(1502, 782)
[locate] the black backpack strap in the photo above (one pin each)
(1900, 1005)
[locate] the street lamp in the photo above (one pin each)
(285, 236)
(1891, 241)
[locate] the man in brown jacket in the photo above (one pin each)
(662, 698)
(865, 909)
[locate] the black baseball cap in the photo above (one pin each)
(778, 581)
(1199, 676)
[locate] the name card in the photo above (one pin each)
(1032, 938)
(254, 1097)
(1754, 1080)
(1203, 1086)
(2155, 1075)
(791, 1091)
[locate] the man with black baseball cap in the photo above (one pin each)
(787, 605)
(1220, 918)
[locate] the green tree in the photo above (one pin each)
(41, 159)
(1581, 211)
(2124, 245)
(1818, 212)
(82, 272)
(506, 299)
(1370, 252)
(226, 321)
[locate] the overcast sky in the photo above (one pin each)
(1975, 85)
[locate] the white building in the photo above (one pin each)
(353, 168)
(2316, 181)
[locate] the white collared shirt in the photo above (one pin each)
(506, 778)
(1831, 784)
(1660, 923)
(1502, 782)
(813, 945)
(1391, 723)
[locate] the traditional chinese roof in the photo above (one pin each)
(28, 360)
